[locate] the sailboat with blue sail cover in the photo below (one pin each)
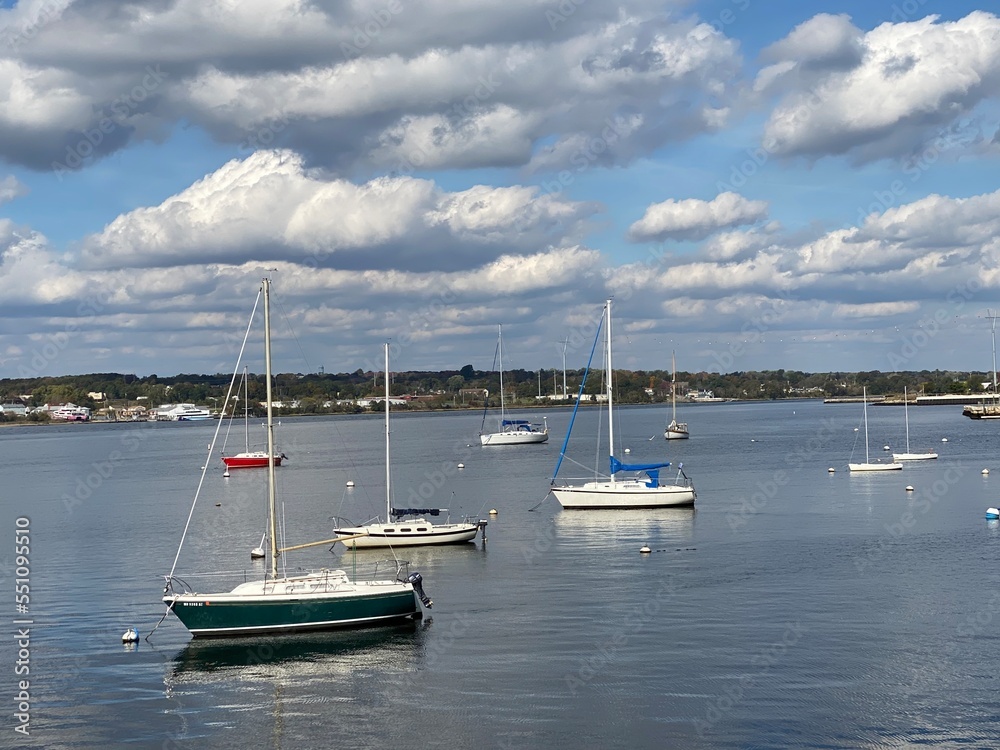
(628, 485)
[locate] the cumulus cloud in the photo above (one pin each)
(926, 76)
(353, 86)
(824, 41)
(694, 219)
(11, 188)
(271, 207)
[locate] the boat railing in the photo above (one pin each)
(400, 568)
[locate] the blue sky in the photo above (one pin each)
(759, 185)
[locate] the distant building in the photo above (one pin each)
(17, 409)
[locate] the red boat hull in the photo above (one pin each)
(249, 462)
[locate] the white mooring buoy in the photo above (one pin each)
(350, 482)
(830, 470)
(992, 514)
(226, 473)
(944, 440)
(628, 450)
(461, 466)
(909, 488)
(493, 511)
(256, 553)
(644, 549)
(986, 472)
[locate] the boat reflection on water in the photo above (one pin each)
(263, 687)
(658, 527)
(329, 652)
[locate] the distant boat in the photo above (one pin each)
(415, 532)
(283, 605)
(910, 456)
(639, 490)
(675, 430)
(510, 431)
(182, 413)
(71, 413)
(870, 465)
(249, 459)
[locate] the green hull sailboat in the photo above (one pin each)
(319, 600)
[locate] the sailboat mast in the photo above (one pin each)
(388, 488)
(500, 351)
(864, 397)
(906, 418)
(272, 516)
(673, 388)
(611, 421)
(246, 410)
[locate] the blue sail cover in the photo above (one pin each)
(617, 466)
(515, 421)
(652, 470)
(416, 511)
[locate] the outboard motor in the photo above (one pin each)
(416, 580)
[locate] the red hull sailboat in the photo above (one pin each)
(249, 459)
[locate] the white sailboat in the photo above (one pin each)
(412, 532)
(870, 465)
(511, 431)
(642, 488)
(281, 604)
(675, 430)
(910, 456)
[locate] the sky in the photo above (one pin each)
(757, 185)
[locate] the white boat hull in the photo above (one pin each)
(623, 494)
(409, 534)
(513, 438)
(874, 467)
(676, 432)
(913, 456)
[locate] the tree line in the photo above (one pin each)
(319, 392)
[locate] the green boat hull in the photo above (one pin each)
(213, 615)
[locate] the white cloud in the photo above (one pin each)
(434, 85)
(824, 40)
(11, 188)
(925, 76)
(270, 207)
(694, 219)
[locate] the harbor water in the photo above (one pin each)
(792, 607)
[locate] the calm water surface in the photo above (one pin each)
(792, 608)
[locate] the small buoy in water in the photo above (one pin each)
(753, 440)
(628, 450)
(992, 514)
(493, 511)
(909, 488)
(256, 553)
(350, 482)
(218, 505)
(830, 470)
(131, 635)
(461, 466)
(944, 440)
(855, 429)
(645, 549)
(886, 448)
(226, 473)
(986, 472)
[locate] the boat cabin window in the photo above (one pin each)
(422, 529)
(406, 530)
(389, 531)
